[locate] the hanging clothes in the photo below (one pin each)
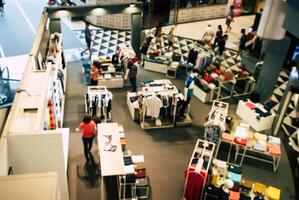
(153, 105)
(195, 185)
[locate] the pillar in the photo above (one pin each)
(275, 54)
(136, 33)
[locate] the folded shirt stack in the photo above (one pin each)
(260, 141)
(107, 76)
(273, 149)
(274, 140)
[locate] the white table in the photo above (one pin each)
(274, 160)
(112, 162)
(250, 116)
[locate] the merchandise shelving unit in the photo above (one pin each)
(203, 150)
(115, 79)
(150, 123)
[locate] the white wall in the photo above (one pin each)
(3, 157)
(38, 153)
(3, 112)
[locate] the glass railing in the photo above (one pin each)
(8, 89)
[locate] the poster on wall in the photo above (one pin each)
(238, 8)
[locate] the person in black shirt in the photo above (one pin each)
(242, 44)
(87, 39)
(218, 36)
(221, 44)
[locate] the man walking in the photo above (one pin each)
(242, 44)
(87, 39)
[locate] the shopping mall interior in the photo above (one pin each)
(149, 99)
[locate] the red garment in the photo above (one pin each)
(273, 149)
(241, 141)
(250, 105)
(207, 77)
(195, 184)
(140, 173)
(88, 129)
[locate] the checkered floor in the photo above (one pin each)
(277, 96)
(182, 46)
(105, 42)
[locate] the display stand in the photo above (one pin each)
(103, 96)
(156, 65)
(252, 118)
(235, 87)
(203, 151)
(217, 117)
(247, 149)
(165, 88)
(110, 78)
(119, 163)
(111, 159)
(133, 107)
(202, 95)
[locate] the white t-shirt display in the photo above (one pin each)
(153, 105)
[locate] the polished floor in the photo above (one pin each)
(167, 152)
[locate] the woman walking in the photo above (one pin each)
(229, 18)
(88, 128)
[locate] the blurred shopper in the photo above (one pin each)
(218, 34)
(229, 18)
(242, 43)
(171, 38)
(95, 72)
(132, 68)
(208, 34)
(221, 44)
(158, 35)
(88, 39)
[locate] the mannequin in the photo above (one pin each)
(224, 189)
(188, 91)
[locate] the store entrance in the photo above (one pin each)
(155, 11)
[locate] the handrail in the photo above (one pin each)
(2, 70)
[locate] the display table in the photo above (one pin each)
(252, 118)
(111, 159)
(112, 162)
(247, 150)
(202, 95)
(156, 65)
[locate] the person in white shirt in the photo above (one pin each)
(208, 34)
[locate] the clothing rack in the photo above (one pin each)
(216, 121)
(98, 103)
(149, 97)
(203, 151)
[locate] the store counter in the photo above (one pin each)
(255, 115)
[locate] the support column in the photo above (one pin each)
(55, 26)
(276, 51)
(136, 33)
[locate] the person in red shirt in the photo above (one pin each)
(88, 128)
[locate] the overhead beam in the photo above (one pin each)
(95, 10)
